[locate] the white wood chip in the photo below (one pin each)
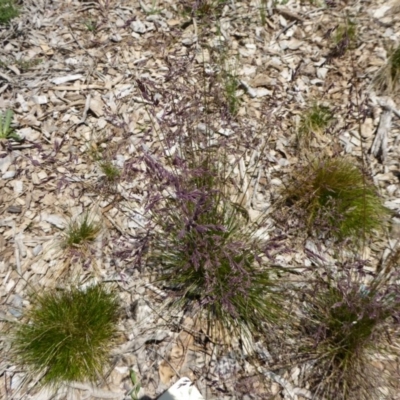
(39, 99)
(379, 146)
(64, 79)
(55, 220)
(72, 80)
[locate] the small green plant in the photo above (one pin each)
(319, 3)
(263, 6)
(6, 132)
(226, 67)
(347, 323)
(67, 335)
(152, 10)
(8, 11)
(231, 84)
(387, 78)
(136, 385)
(203, 8)
(334, 197)
(111, 172)
(345, 37)
(346, 31)
(81, 232)
(314, 122)
(25, 65)
(91, 25)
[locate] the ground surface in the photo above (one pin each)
(73, 72)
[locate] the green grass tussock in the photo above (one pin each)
(81, 232)
(334, 197)
(347, 321)
(8, 11)
(387, 79)
(210, 257)
(313, 123)
(110, 171)
(67, 336)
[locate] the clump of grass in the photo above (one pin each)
(91, 25)
(231, 84)
(203, 8)
(263, 7)
(81, 232)
(25, 65)
(67, 335)
(151, 10)
(6, 131)
(348, 322)
(314, 122)
(346, 31)
(334, 197)
(102, 154)
(388, 77)
(201, 244)
(110, 171)
(22, 64)
(345, 37)
(206, 246)
(8, 11)
(229, 80)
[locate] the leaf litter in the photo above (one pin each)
(84, 88)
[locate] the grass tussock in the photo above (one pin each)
(201, 245)
(67, 335)
(229, 81)
(100, 152)
(8, 11)
(110, 171)
(344, 38)
(387, 78)
(91, 25)
(23, 65)
(203, 9)
(81, 232)
(334, 197)
(206, 246)
(348, 322)
(313, 123)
